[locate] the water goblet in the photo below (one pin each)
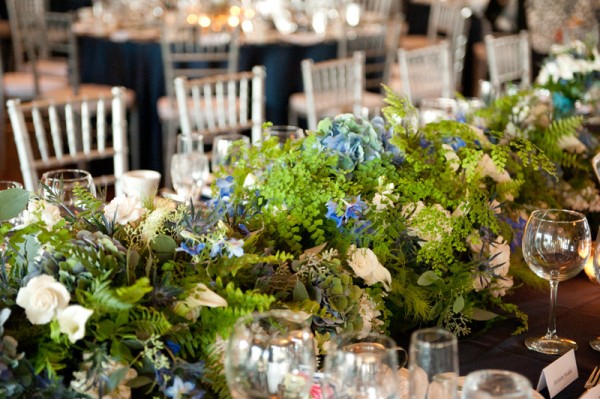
(363, 367)
(189, 172)
(496, 384)
(59, 186)
(226, 150)
(433, 364)
(270, 355)
(556, 246)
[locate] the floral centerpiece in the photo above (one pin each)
(364, 225)
(571, 73)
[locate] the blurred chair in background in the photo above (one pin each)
(57, 133)
(509, 60)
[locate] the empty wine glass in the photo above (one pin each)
(190, 143)
(189, 172)
(7, 184)
(226, 150)
(363, 367)
(433, 364)
(595, 343)
(59, 185)
(270, 355)
(285, 132)
(556, 245)
(496, 384)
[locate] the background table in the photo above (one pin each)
(138, 65)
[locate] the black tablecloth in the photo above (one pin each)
(578, 318)
(138, 66)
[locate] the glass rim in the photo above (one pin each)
(71, 175)
(15, 184)
(445, 337)
(476, 375)
(349, 336)
(542, 214)
(288, 315)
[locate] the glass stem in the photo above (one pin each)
(552, 319)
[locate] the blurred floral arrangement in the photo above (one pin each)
(364, 225)
(571, 73)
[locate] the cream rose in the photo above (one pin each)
(199, 296)
(71, 321)
(42, 297)
(365, 264)
(41, 211)
(124, 210)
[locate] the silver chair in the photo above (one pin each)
(186, 51)
(225, 103)
(330, 88)
(509, 60)
(426, 72)
(50, 134)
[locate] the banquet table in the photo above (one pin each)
(137, 64)
(578, 318)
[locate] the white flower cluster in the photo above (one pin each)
(39, 210)
(365, 264)
(568, 61)
(45, 299)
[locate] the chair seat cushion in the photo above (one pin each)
(372, 101)
(22, 84)
(411, 42)
(50, 67)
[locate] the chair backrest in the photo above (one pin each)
(188, 51)
(49, 42)
(223, 103)
(50, 134)
(378, 43)
(450, 20)
(333, 85)
(426, 72)
(509, 60)
(18, 11)
(375, 9)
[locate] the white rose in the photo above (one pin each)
(124, 210)
(571, 144)
(71, 321)
(199, 296)
(451, 157)
(501, 285)
(365, 264)
(41, 211)
(487, 167)
(42, 297)
(500, 256)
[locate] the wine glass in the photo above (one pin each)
(190, 143)
(285, 132)
(363, 367)
(270, 355)
(189, 172)
(7, 184)
(432, 364)
(226, 150)
(496, 384)
(59, 185)
(556, 245)
(595, 343)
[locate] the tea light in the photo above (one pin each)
(589, 266)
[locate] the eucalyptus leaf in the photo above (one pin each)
(14, 201)
(163, 244)
(114, 380)
(300, 292)
(482, 315)
(428, 278)
(459, 304)
(139, 382)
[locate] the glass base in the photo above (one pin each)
(595, 344)
(550, 346)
